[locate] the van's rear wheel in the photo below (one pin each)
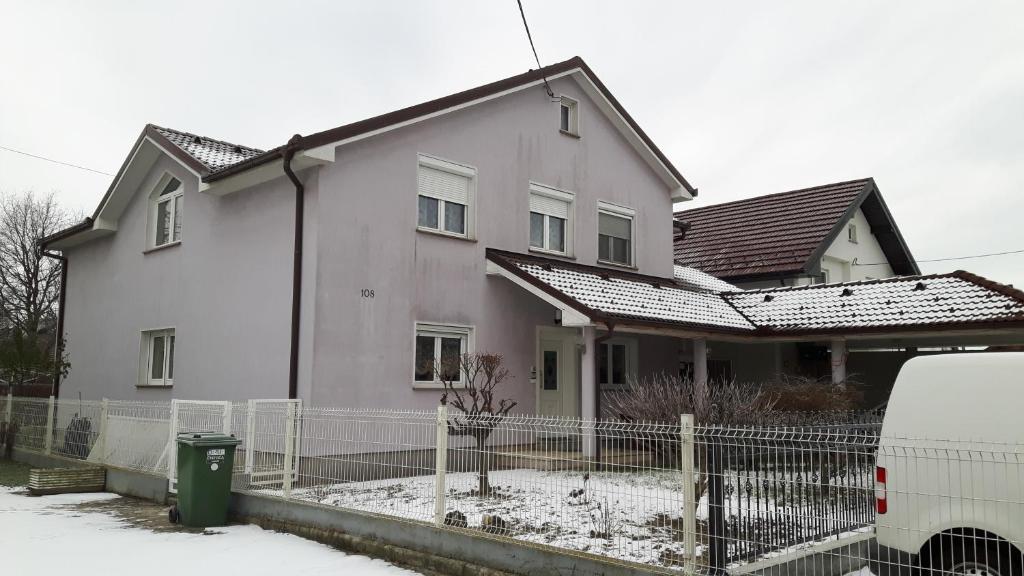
(978, 557)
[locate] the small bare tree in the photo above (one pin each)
(471, 383)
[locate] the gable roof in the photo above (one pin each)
(785, 233)
(904, 305)
(214, 155)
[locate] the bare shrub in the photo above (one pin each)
(663, 397)
(801, 394)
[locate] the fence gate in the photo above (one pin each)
(272, 442)
(193, 416)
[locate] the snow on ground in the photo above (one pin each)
(50, 535)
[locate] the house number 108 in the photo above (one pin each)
(366, 293)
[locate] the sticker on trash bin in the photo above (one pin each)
(214, 456)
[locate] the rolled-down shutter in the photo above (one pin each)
(443, 185)
(551, 206)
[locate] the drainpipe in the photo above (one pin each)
(300, 202)
(58, 352)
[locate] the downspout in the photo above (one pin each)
(300, 202)
(58, 352)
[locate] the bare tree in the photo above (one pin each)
(470, 385)
(29, 287)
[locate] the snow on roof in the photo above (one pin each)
(702, 280)
(214, 154)
(908, 301)
(625, 295)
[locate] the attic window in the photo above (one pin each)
(568, 116)
(851, 233)
(165, 212)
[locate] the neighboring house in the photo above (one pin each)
(834, 233)
(336, 267)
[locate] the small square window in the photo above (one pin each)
(568, 116)
(438, 353)
(157, 362)
(616, 362)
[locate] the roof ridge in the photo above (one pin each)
(770, 195)
(207, 138)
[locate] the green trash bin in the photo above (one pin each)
(205, 463)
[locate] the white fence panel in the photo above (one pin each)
(192, 416)
(271, 447)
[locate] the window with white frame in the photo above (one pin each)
(551, 219)
(615, 234)
(166, 212)
(439, 348)
(617, 362)
(445, 196)
(851, 233)
(569, 116)
(157, 366)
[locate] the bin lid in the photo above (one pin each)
(207, 439)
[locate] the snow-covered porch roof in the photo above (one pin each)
(957, 308)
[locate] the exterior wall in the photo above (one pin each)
(841, 253)
(226, 289)
(367, 239)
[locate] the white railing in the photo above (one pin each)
(673, 496)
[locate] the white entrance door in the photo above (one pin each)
(556, 375)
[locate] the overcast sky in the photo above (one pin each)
(745, 98)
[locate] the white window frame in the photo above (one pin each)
(620, 212)
(632, 362)
(146, 357)
(570, 225)
(574, 115)
(155, 200)
(438, 331)
(456, 168)
(851, 233)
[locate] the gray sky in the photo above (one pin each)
(746, 98)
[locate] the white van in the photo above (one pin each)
(950, 469)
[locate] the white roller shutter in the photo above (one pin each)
(550, 206)
(443, 185)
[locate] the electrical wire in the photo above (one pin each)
(534, 48)
(55, 161)
(855, 263)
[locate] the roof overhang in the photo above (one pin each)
(263, 173)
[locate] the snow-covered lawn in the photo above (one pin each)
(52, 535)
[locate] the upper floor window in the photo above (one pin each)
(157, 357)
(851, 233)
(615, 234)
(439, 352)
(551, 224)
(166, 212)
(569, 116)
(445, 196)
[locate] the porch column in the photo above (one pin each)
(700, 361)
(838, 361)
(588, 390)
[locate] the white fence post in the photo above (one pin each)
(441, 463)
(10, 405)
(250, 435)
(289, 449)
(172, 446)
(687, 445)
(48, 443)
(102, 440)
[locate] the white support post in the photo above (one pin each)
(441, 464)
(49, 427)
(689, 511)
(588, 391)
(250, 435)
(838, 361)
(700, 361)
(102, 440)
(289, 450)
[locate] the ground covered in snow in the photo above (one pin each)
(78, 534)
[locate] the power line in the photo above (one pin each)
(534, 48)
(68, 164)
(855, 263)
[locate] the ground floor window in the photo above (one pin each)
(616, 362)
(157, 365)
(437, 351)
